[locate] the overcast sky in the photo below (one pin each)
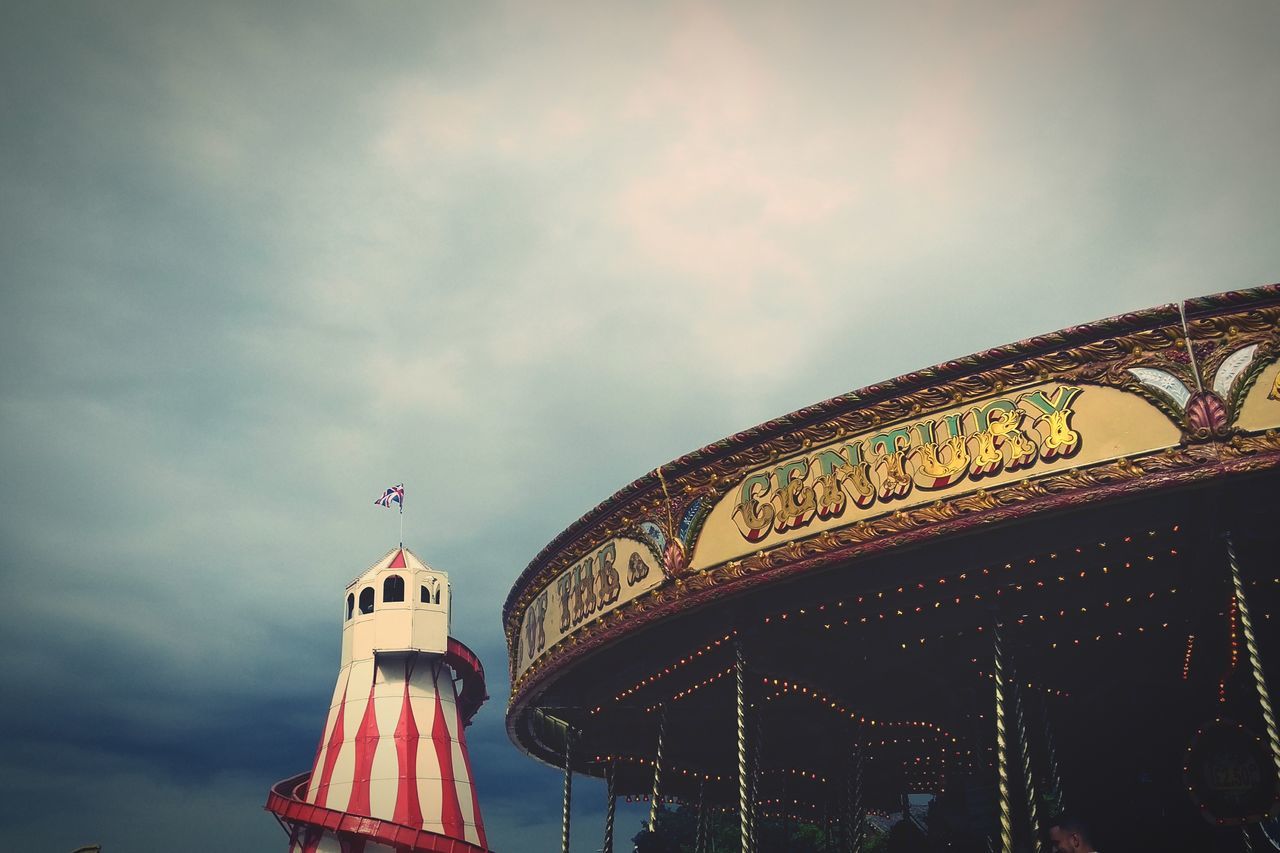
(260, 263)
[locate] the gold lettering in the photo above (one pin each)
(1022, 450)
(796, 496)
(754, 517)
(610, 587)
(637, 570)
(843, 477)
(1059, 438)
(890, 463)
(564, 586)
(535, 626)
(578, 603)
(930, 472)
(998, 431)
(584, 579)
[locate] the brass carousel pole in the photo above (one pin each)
(858, 811)
(786, 819)
(1055, 778)
(700, 832)
(756, 770)
(744, 812)
(568, 789)
(1002, 750)
(1028, 780)
(1255, 661)
(611, 807)
(656, 798)
(847, 838)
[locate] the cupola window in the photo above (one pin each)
(393, 588)
(366, 600)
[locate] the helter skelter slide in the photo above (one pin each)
(391, 772)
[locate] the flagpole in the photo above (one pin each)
(401, 518)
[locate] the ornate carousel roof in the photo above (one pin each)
(1071, 493)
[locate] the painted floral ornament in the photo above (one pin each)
(674, 561)
(1206, 416)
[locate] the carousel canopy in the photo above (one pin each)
(1022, 581)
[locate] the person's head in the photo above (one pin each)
(1068, 835)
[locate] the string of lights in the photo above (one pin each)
(871, 598)
(690, 690)
(1060, 613)
(783, 686)
(692, 773)
(667, 670)
(1233, 612)
(1025, 588)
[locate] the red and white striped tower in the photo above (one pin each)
(391, 772)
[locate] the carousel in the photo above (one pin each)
(1031, 588)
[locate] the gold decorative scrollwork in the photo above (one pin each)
(1098, 354)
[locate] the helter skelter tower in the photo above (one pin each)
(392, 772)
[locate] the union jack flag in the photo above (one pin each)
(393, 495)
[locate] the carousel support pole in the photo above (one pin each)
(1028, 780)
(655, 800)
(744, 812)
(611, 806)
(1055, 778)
(756, 769)
(700, 833)
(1002, 750)
(568, 790)
(786, 821)
(1255, 661)
(848, 840)
(851, 818)
(858, 812)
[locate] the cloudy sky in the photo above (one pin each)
(262, 260)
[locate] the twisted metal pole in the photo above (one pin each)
(1055, 778)
(1029, 783)
(856, 812)
(744, 813)
(1255, 660)
(786, 817)
(700, 832)
(756, 770)
(611, 807)
(847, 839)
(655, 799)
(1002, 749)
(568, 789)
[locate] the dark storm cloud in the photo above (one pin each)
(260, 262)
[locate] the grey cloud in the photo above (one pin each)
(260, 262)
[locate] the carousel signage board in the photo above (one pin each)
(602, 581)
(1260, 408)
(981, 444)
(985, 443)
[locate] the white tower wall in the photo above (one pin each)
(393, 746)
